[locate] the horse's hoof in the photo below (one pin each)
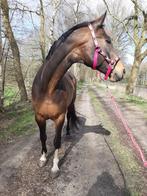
(61, 152)
(68, 137)
(55, 174)
(42, 163)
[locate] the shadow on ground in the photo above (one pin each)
(77, 134)
(105, 185)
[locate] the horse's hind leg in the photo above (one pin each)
(68, 123)
(57, 143)
(42, 127)
(71, 118)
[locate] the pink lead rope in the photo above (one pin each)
(128, 130)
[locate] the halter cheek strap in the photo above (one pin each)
(98, 52)
(95, 61)
(95, 58)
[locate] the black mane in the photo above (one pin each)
(63, 37)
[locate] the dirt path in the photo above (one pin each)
(135, 117)
(87, 166)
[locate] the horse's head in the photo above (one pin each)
(100, 54)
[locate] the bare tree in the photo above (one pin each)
(135, 27)
(15, 50)
(42, 31)
(73, 16)
(140, 39)
(55, 8)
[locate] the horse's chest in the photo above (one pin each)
(51, 109)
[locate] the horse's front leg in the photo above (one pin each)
(57, 143)
(42, 127)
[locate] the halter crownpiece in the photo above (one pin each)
(98, 51)
(93, 35)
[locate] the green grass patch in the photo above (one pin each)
(122, 97)
(136, 100)
(80, 85)
(11, 95)
(17, 120)
(22, 123)
(133, 172)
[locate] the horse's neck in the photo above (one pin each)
(60, 71)
(57, 65)
(61, 60)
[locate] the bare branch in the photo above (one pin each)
(121, 22)
(143, 55)
(143, 39)
(33, 22)
(56, 9)
(23, 8)
(137, 5)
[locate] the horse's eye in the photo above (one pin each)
(108, 41)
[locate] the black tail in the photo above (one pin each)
(74, 119)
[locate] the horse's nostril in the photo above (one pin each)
(124, 71)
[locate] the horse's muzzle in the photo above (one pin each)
(117, 75)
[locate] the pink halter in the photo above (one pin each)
(99, 51)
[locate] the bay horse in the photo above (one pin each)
(54, 88)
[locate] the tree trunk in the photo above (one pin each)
(1, 67)
(134, 73)
(15, 50)
(132, 79)
(135, 68)
(42, 31)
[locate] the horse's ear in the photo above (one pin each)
(99, 21)
(102, 18)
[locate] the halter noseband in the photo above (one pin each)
(98, 50)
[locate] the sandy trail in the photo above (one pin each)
(87, 166)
